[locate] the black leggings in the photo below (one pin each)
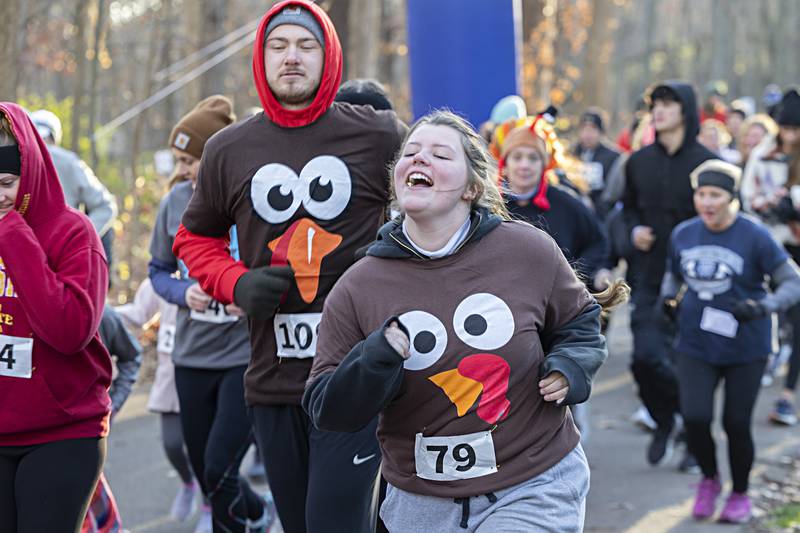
(48, 487)
(794, 361)
(218, 433)
(174, 446)
(698, 381)
(322, 481)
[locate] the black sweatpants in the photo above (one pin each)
(48, 487)
(698, 381)
(217, 432)
(322, 481)
(794, 361)
(652, 365)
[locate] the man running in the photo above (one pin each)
(658, 196)
(305, 184)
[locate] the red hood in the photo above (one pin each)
(40, 195)
(331, 72)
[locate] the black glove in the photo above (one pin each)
(258, 292)
(785, 211)
(669, 309)
(748, 310)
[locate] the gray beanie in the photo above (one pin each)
(299, 16)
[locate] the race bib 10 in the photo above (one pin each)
(454, 458)
(215, 313)
(296, 335)
(16, 354)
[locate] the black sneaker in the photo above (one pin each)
(660, 448)
(688, 464)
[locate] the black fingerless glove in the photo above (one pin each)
(748, 310)
(259, 291)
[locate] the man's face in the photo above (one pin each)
(186, 166)
(589, 135)
(667, 115)
(293, 61)
(734, 123)
(790, 137)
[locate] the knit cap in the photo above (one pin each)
(299, 16)
(525, 136)
(196, 127)
(789, 109)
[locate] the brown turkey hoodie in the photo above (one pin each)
(463, 415)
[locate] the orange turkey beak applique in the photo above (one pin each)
(481, 374)
(303, 247)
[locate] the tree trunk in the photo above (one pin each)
(8, 51)
(79, 89)
(213, 27)
(99, 46)
(364, 44)
(593, 88)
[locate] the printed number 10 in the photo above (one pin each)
(463, 453)
(303, 336)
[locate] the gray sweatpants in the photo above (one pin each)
(554, 501)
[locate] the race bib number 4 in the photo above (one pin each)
(454, 458)
(16, 354)
(296, 335)
(215, 313)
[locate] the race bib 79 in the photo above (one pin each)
(454, 458)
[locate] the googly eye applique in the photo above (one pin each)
(324, 187)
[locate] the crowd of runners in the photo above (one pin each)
(408, 351)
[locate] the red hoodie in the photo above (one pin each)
(216, 272)
(53, 280)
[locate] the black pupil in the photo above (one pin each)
(424, 342)
(475, 325)
(278, 201)
(320, 193)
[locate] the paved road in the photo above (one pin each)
(627, 495)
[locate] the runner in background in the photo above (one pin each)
(211, 343)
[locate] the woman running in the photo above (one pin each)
(468, 334)
(54, 370)
(723, 259)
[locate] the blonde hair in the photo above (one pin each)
(481, 166)
(759, 119)
(6, 133)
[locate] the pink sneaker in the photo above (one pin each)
(705, 502)
(736, 510)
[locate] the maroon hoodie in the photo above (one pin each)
(54, 371)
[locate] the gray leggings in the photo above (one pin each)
(554, 501)
(174, 445)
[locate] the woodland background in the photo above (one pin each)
(93, 61)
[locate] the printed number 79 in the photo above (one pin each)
(463, 453)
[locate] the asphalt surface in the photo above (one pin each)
(627, 494)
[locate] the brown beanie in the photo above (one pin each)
(523, 136)
(198, 125)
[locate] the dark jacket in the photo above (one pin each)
(658, 192)
(573, 226)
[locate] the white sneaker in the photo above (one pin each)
(185, 503)
(205, 524)
(641, 417)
